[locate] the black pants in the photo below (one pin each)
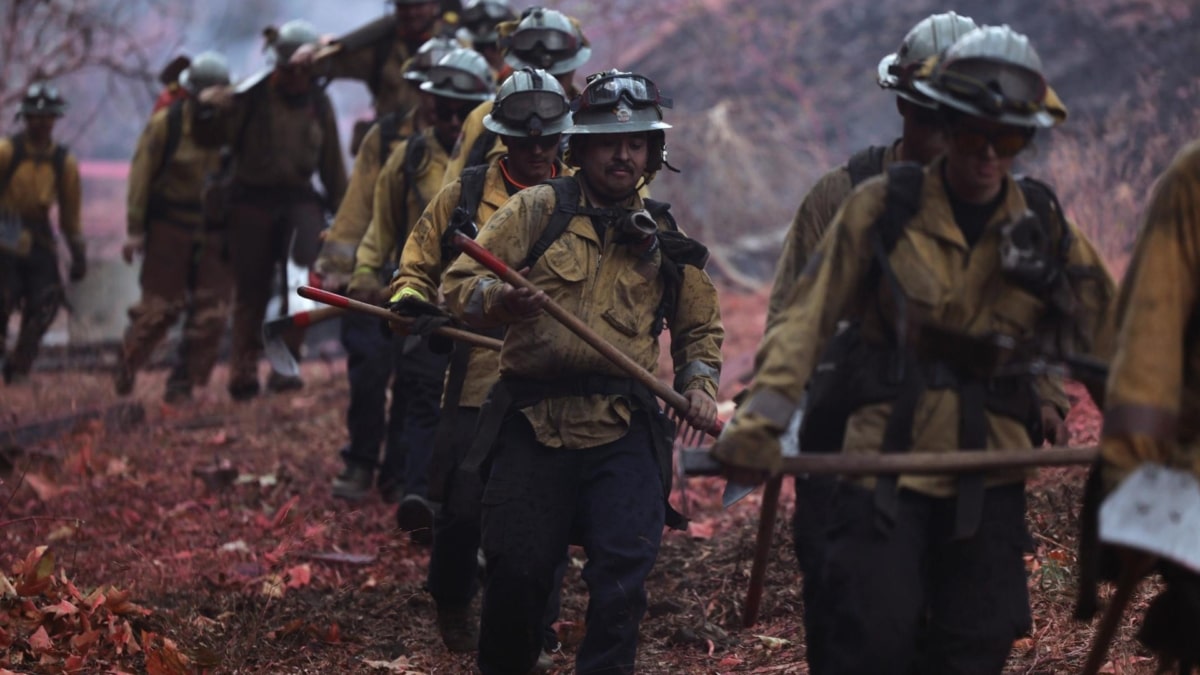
(810, 528)
(33, 284)
(911, 598)
(537, 499)
(372, 362)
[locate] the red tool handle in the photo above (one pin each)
(673, 398)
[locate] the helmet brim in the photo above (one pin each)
(1040, 118)
(444, 93)
(633, 127)
(882, 75)
(559, 126)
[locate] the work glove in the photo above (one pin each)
(365, 286)
(749, 447)
(426, 318)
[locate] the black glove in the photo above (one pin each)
(427, 317)
(413, 307)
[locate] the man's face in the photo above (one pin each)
(40, 127)
(614, 163)
(448, 116)
(415, 21)
(924, 138)
(531, 160)
(982, 151)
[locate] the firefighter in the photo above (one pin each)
(958, 248)
(369, 353)
(581, 452)
(530, 114)
(543, 38)
(480, 22)
(186, 259)
(36, 174)
(412, 176)
(281, 130)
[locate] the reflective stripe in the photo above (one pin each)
(408, 292)
(694, 370)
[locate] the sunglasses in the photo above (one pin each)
(543, 142)
(1005, 141)
(607, 90)
(447, 109)
(547, 39)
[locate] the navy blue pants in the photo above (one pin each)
(912, 598)
(453, 561)
(810, 528)
(406, 430)
(538, 500)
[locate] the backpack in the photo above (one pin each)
(677, 249)
(416, 153)
(480, 148)
(463, 218)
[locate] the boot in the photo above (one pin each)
(459, 628)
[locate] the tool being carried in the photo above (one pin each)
(672, 398)
(341, 301)
(282, 334)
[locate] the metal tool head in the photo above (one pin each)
(1155, 510)
(278, 354)
(789, 446)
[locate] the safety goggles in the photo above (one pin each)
(994, 90)
(454, 79)
(543, 142)
(1007, 141)
(447, 109)
(607, 90)
(530, 39)
(41, 90)
(485, 12)
(522, 106)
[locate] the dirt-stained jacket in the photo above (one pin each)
(1153, 397)
(605, 285)
(169, 191)
(422, 266)
(354, 214)
(34, 190)
(813, 218)
(279, 143)
(381, 66)
(393, 216)
(946, 283)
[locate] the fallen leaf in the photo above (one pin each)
(238, 546)
(299, 576)
(63, 608)
(64, 532)
(40, 641)
(773, 642)
(273, 587)
(282, 513)
(701, 530)
(42, 487)
(730, 661)
(400, 665)
(117, 466)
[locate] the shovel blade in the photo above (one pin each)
(789, 446)
(1155, 510)
(278, 354)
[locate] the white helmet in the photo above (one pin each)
(930, 37)
(531, 102)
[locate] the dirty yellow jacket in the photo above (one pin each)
(812, 219)
(280, 144)
(33, 191)
(393, 216)
(389, 90)
(422, 266)
(178, 184)
(603, 284)
(354, 214)
(946, 284)
(1153, 397)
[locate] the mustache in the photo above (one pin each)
(624, 166)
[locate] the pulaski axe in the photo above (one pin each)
(282, 337)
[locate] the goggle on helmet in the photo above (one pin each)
(531, 102)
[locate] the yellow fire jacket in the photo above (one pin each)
(393, 216)
(34, 190)
(1153, 401)
(354, 214)
(946, 284)
(609, 289)
(176, 185)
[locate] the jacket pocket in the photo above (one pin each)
(1016, 313)
(564, 263)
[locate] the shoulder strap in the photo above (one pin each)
(174, 135)
(463, 218)
(480, 148)
(18, 156)
(414, 157)
(389, 132)
(566, 205)
(902, 201)
(866, 163)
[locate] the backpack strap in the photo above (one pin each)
(174, 135)
(866, 163)
(480, 148)
(415, 155)
(1044, 203)
(566, 206)
(389, 132)
(18, 156)
(463, 218)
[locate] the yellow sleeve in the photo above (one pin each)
(697, 334)
(354, 213)
(146, 160)
(421, 263)
(1158, 297)
(379, 242)
(70, 203)
(813, 217)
